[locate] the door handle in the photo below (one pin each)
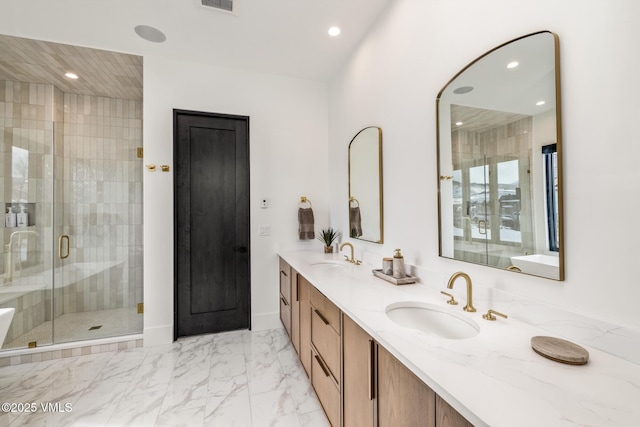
(61, 239)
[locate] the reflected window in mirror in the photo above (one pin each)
(365, 185)
(500, 193)
(550, 160)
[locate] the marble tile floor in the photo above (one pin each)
(241, 378)
(77, 327)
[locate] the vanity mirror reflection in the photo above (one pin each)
(365, 185)
(499, 159)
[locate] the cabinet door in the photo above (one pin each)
(295, 311)
(327, 389)
(446, 416)
(357, 375)
(285, 295)
(403, 400)
(285, 315)
(285, 280)
(305, 323)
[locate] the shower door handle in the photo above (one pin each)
(62, 238)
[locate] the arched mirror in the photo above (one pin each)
(499, 159)
(365, 185)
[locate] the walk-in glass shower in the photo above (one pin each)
(71, 177)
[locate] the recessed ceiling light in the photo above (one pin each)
(150, 34)
(334, 31)
(462, 90)
(540, 102)
(459, 123)
(71, 75)
(513, 64)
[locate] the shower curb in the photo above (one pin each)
(62, 351)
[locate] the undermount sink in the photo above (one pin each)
(330, 264)
(432, 320)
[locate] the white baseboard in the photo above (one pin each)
(158, 335)
(264, 321)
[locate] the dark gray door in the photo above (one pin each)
(211, 198)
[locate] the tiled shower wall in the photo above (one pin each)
(98, 194)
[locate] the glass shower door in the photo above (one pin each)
(98, 219)
(26, 191)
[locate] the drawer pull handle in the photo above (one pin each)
(284, 301)
(324, 369)
(324, 320)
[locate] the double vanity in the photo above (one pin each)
(379, 354)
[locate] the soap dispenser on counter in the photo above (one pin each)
(10, 218)
(398, 265)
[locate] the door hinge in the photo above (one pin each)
(140, 307)
(140, 152)
(32, 344)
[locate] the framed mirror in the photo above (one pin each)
(365, 185)
(499, 159)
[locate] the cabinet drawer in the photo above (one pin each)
(326, 309)
(326, 342)
(285, 314)
(326, 389)
(285, 280)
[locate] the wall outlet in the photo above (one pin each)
(265, 230)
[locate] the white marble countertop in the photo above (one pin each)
(492, 379)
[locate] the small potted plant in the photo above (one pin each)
(328, 236)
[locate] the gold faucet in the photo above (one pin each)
(352, 259)
(469, 307)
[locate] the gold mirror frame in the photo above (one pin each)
(365, 186)
(528, 263)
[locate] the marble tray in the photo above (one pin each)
(406, 280)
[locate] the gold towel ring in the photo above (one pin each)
(353, 199)
(303, 199)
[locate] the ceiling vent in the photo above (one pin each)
(219, 4)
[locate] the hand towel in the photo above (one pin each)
(305, 224)
(355, 222)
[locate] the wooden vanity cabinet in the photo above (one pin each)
(295, 311)
(378, 390)
(326, 350)
(285, 296)
(449, 417)
(403, 399)
(304, 298)
(358, 375)
(357, 381)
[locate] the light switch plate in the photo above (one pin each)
(265, 230)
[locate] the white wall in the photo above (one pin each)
(392, 81)
(288, 155)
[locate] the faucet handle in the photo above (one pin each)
(490, 315)
(452, 300)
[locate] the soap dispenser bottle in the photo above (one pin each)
(398, 265)
(23, 218)
(10, 218)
